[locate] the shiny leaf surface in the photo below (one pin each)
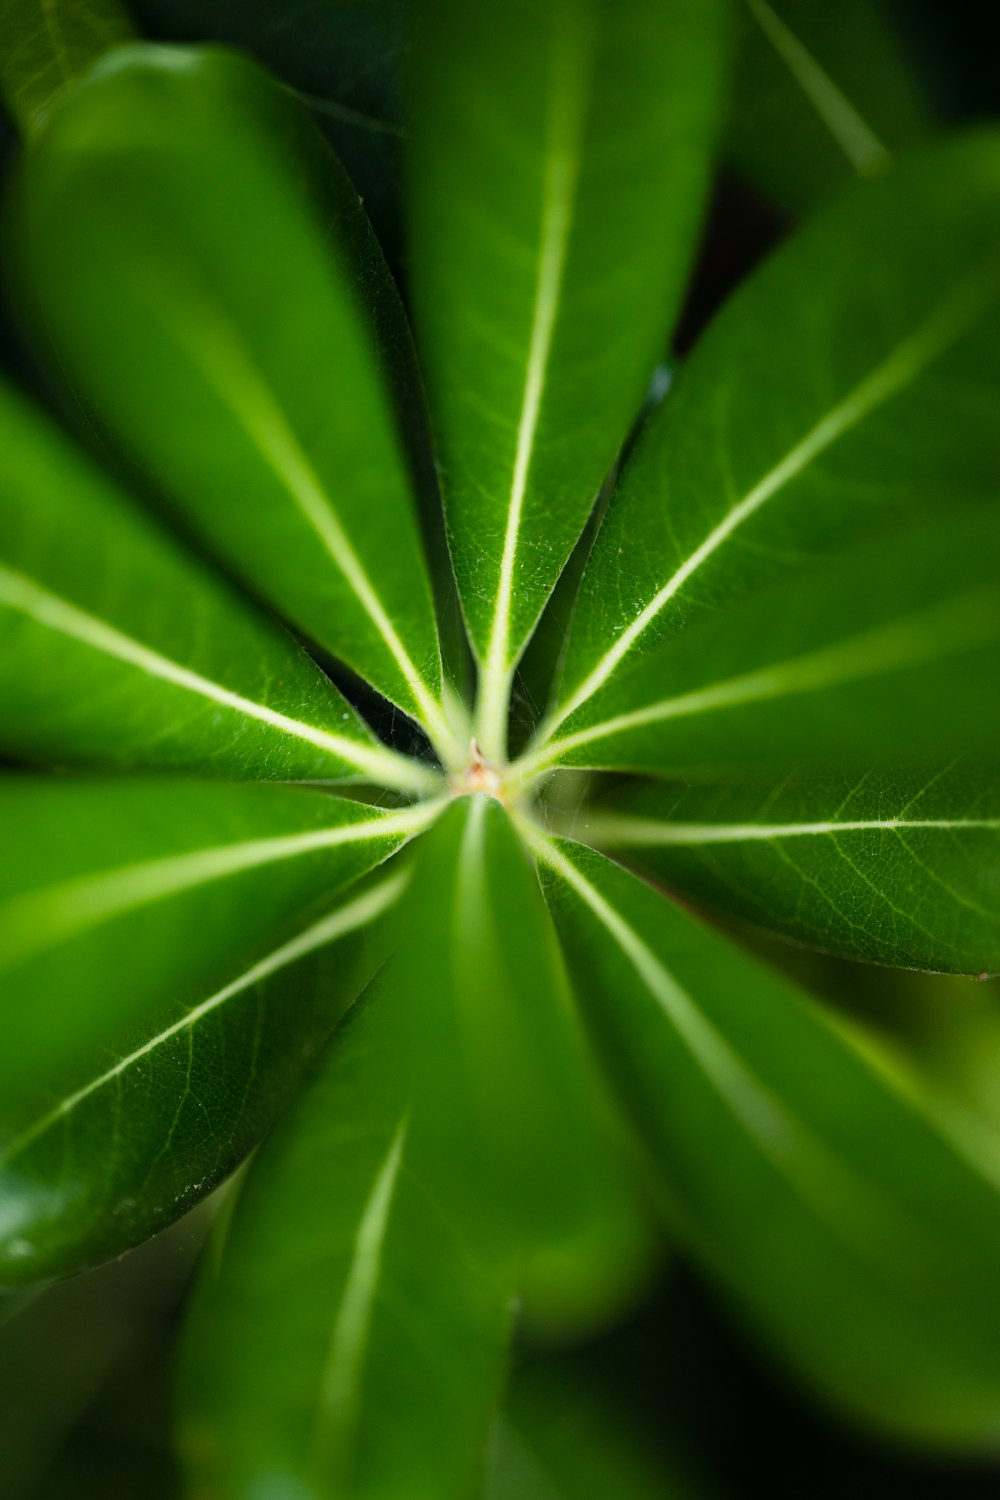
(499, 1071)
(895, 866)
(169, 958)
(858, 1241)
(119, 649)
(881, 653)
(531, 168)
(848, 386)
(350, 1342)
(179, 216)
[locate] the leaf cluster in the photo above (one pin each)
(272, 852)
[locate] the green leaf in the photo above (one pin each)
(896, 866)
(890, 651)
(498, 1068)
(167, 965)
(555, 196)
(858, 1241)
(821, 95)
(178, 216)
(850, 384)
(46, 44)
(351, 1343)
(343, 58)
(119, 649)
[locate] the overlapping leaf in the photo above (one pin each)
(848, 386)
(169, 958)
(343, 59)
(554, 198)
(894, 866)
(119, 649)
(858, 1241)
(887, 652)
(499, 1071)
(175, 219)
(46, 45)
(352, 1344)
(821, 95)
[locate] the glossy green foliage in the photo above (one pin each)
(841, 660)
(123, 650)
(168, 222)
(529, 168)
(347, 1341)
(893, 866)
(822, 94)
(796, 580)
(498, 1069)
(849, 1232)
(849, 384)
(47, 43)
(169, 957)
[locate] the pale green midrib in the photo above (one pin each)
(957, 313)
(53, 612)
(356, 914)
(340, 1379)
(39, 920)
(231, 372)
(652, 832)
(559, 182)
(919, 638)
(814, 1170)
(851, 132)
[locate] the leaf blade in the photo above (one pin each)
(894, 867)
(150, 979)
(208, 259)
(47, 44)
(386, 1345)
(854, 1226)
(179, 671)
(839, 662)
(513, 310)
(488, 1019)
(861, 354)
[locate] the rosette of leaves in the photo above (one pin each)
(264, 834)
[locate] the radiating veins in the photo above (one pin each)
(954, 316)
